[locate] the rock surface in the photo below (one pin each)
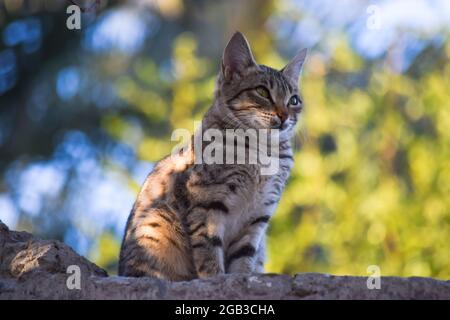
(31, 268)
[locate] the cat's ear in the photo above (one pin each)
(292, 69)
(237, 56)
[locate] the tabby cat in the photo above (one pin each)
(196, 220)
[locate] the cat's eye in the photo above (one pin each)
(294, 100)
(263, 92)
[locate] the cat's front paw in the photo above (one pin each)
(209, 270)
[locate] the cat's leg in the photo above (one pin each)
(217, 195)
(242, 254)
(206, 229)
(260, 256)
(155, 245)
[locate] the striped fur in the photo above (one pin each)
(198, 220)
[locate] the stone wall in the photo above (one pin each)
(31, 268)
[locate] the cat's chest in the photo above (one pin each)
(261, 200)
(270, 190)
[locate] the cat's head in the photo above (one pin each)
(250, 95)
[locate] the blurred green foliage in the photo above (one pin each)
(370, 185)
